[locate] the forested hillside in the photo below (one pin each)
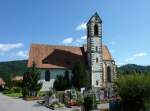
(12, 68)
(133, 68)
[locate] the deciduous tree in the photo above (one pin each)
(134, 91)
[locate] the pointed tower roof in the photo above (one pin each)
(95, 18)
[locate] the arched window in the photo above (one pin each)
(88, 31)
(95, 29)
(47, 75)
(97, 83)
(96, 48)
(108, 74)
(96, 60)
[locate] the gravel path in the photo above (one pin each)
(12, 104)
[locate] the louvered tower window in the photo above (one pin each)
(96, 29)
(96, 60)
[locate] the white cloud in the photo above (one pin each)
(136, 56)
(82, 26)
(142, 54)
(84, 37)
(75, 41)
(22, 54)
(78, 40)
(67, 41)
(8, 47)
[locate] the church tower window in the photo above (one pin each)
(96, 60)
(97, 83)
(96, 29)
(96, 49)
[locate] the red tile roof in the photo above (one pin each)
(17, 78)
(106, 53)
(55, 56)
(2, 82)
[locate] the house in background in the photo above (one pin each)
(2, 84)
(53, 60)
(17, 78)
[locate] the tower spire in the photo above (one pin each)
(95, 18)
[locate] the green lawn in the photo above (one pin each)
(14, 94)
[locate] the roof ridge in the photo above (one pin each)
(59, 45)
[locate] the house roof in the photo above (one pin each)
(51, 56)
(17, 78)
(106, 53)
(2, 82)
(57, 56)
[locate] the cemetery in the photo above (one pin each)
(72, 98)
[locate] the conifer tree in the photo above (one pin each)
(79, 77)
(31, 84)
(68, 80)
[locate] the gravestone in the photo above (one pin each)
(73, 94)
(97, 94)
(46, 98)
(82, 90)
(101, 95)
(52, 99)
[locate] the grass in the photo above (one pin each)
(41, 93)
(14, 95)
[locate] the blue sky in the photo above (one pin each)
(126, 26)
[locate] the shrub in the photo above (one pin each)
(7, 91)
(24, 92)
(80, 99)
(16, 89)
(41, 93)
(62, 82)
(12, 90)
(134, 91)
(88, 104)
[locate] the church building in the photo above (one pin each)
(53, 60)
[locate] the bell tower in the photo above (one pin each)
(94, 50)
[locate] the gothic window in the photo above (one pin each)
(88, 31)
(96, 48)
(97, 83)
(96, 29)
(108, 74)
(47, 75)
(96, 60)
